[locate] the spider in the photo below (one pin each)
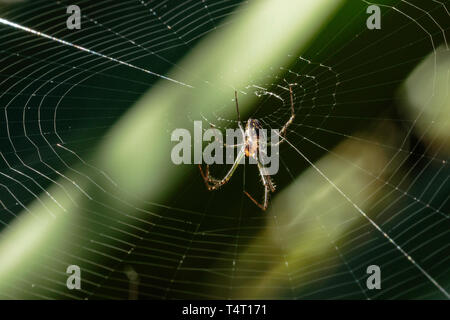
(249, 148)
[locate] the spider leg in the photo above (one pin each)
(267, 180)
(283, 130)
(268, 187)
(266, 199)
(233, 145)
(223, 143)
(206, 176)
(213, 183)
(238, 114)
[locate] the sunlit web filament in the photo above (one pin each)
(40, 34)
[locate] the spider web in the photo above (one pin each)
(363, 176)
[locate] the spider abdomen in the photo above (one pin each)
(251, 149)
(252, 138)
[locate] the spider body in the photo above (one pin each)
(250, 148)
(251, 138)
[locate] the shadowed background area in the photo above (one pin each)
(86, 176)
